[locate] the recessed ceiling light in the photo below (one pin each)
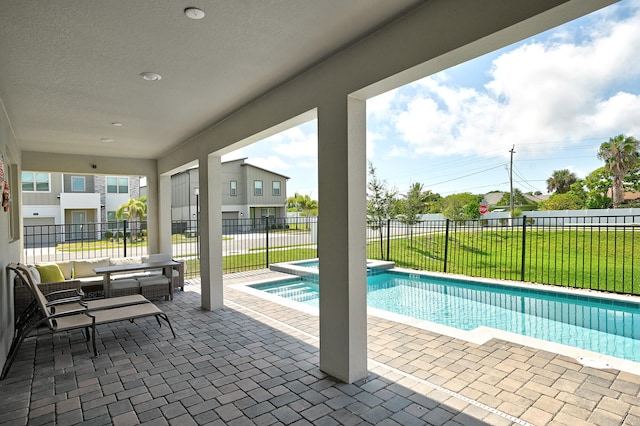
(116, 124)
(107, 140)
(194, 13)
(150, 76)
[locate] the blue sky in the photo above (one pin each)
(556, 97)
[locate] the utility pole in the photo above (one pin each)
(512, 151)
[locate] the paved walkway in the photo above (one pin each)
(256, 362)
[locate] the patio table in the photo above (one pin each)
(166, 266)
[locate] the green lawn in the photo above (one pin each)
(602, 260)
(578, 257)
(77, 246)
(247, 262)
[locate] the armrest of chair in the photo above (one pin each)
(76, 299)
(66, 313)
(22, 296)
(73, 293)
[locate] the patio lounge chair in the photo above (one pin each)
(73, 313)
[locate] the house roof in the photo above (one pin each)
(268, 171)
(493, 198)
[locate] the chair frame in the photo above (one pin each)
(72, 312)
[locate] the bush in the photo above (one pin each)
(108, 235)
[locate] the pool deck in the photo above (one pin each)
(256, 362)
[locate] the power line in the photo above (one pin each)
(524, 180)
(461, 177)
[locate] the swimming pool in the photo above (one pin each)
(606, 326)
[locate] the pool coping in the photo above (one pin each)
(480, 335)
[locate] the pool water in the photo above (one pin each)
(605, 326)
(313, 264)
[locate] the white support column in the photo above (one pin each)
(210, 175)
(341, 239)
(165, 243)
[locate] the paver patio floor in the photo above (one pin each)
(256, 362)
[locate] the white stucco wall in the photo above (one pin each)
(10, 244)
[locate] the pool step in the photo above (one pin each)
(300, 292)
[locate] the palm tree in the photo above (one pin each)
(302, 203)
(133, 210)
(620, 155)
(560, 181)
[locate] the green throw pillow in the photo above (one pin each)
(50, 273)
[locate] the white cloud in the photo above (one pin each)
(581, 174)
(234, 155)
(539, 92)
(273, 163)
(294, 143)
(380, 105)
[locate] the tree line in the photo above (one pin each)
(603, 188)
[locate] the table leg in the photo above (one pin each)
(168, 272)
(107, 285)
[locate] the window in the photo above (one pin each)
(257, 187)
(35, 182)
(233, 191)
(117, 185)
(112, 220)
(268, 212)
(276, 188)
(77, 184)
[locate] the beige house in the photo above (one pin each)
(139, 88)
(73, 200)
(248, 192)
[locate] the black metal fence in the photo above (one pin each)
(249, 243)
(246, 243)
(49, 243)
(597, 253)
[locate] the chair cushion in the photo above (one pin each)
(153, 280)
(117, 261)
(84, 268)
(91, 280)
(66, 266)
(50, 273)
(158, 257)
(36, 274)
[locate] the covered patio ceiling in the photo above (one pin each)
(69, 70)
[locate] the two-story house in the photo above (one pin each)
(248, 192)
(68, 206)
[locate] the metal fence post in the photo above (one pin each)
(124, 233)
(388, 239)
(446, 244)
(524, 246)
(267, 241)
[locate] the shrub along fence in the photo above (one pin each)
(589, 252)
